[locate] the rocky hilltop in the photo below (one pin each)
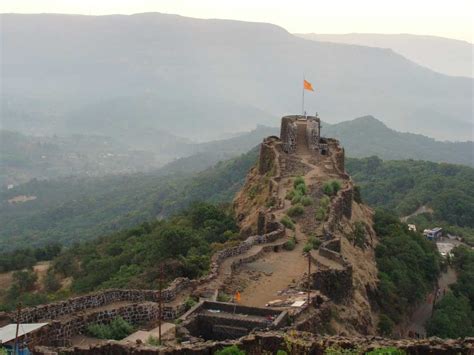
(304, 267)
(325, 213)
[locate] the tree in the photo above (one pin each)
(25, 280)
(51, 283)
(453, 318)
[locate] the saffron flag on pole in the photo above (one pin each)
(237, 297)
(307, 85)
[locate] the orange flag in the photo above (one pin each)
(307, 85)
(237, 297)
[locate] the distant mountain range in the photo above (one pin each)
(25, 157)
(131, 76)
(362, 137)
(444, 55)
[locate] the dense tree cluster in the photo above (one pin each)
(405, 186)
(132, 258)
(408, 267)
(453, 316)
(77, 209)
(27, 257)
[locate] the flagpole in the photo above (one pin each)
(302, 105)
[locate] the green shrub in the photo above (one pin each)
(302, 189)
(296, 210)
(331, 187)
(290, 244)
(299, 180)
(324, 202)
(336, 186)
(308, 247)
(117, 329)
(288, 223)
(153, 341)
(328, 189)
(223, 297)
(230, 350)
(306, 200)
(281, 352)
(296, 198)
(321, 214)
(190, 303)
(315, 242)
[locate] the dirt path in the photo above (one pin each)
(420, 210)
(225, 270)
(279, 270)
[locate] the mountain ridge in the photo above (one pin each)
(444, 55)
(207, 63)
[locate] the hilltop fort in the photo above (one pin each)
(305, 262)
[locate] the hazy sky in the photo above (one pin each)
(446, 18)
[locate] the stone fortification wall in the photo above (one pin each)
(337, 156)
(335, 283)
(99, 299)
(296, 343)
(341, 205)
(267, 157)
(288, 133)
(313, 133)
(59, 332)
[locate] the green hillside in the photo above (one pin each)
(405, 186)
(74, 209)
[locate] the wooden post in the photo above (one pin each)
(18, 315)
(160, 302)
(309, 277)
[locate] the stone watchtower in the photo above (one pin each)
(300, 136)
(302, 131)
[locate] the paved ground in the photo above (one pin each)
(143, 335)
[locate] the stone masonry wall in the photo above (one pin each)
(267, 157)
(341, 205)
(288, 133)
(334, 283)
(59, 332)
(99, 299)
(295, 344)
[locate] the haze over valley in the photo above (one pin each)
(174, 184)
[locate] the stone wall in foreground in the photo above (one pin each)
(295, 343)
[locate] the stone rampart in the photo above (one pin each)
(73, 305)
(267, 157)
(294, 344)
(60, 331)
(334, 283)
(341, 205)
(288, 133)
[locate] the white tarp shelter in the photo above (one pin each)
(7, 333)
